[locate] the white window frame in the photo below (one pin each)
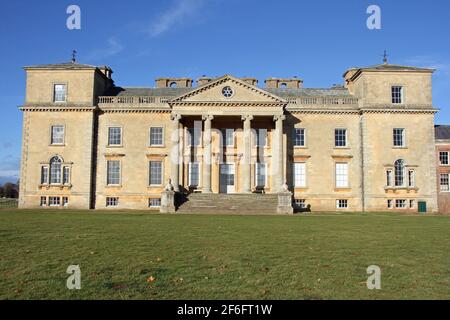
(295, 138)
(300, 203)
(54, 201)
(400, 174)
(257, 174)
(400, 204)
(395, 97)
(336, 140)
(226, 134)
(448, 158)
(444, 187)
(112, 202)
(150, 173)
(43, 201)
(162, 136)
(66, 176)
(190, 174)
(258, 137)
(65, 201)
(412, 203)
(300, 178)
(54, 93)
(120, 144)
(190, 138)
(403, 137)
(152, 205)
(390, 204)
(342, 175)
(342, 204)
(45, 171)
(390, 177)
(52, 134)
(107, 173)
(60, 163)
(411, 178)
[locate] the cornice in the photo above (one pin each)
(225, 104)
(57, 108)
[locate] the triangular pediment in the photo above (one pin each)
(241, 92)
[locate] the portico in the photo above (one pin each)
(228, 138)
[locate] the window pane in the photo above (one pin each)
(261, 137)
(115, 136)
(443, 158)
(57, 135)
(59, 93)
(55, 170)
(397, 94)
(399, 135)
(65, 175)
(411, 178)
(194, 174)
(155, 173)
(229, 137)
(260, 174)
(156, 136)
(113, 172)
(444, 183)
(341, 175)
(44, 175)
(389, 178)
(340, 137)
(341, 204)
(399, 173)
(299, 137)
(193, 137)
(300, 175)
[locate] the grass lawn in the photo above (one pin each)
(222, 257)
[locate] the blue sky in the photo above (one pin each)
(141, 40)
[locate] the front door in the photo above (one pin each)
(227, 178)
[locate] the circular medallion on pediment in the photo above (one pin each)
(227, 92)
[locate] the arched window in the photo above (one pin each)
(173, 85)
(283, 85)
(55, 170)
(399, 173)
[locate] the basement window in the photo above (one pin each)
(112, 202)
(154, 203)
(342, 204)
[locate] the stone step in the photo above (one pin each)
(230, 204)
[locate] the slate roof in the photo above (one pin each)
(175, 92)
(64, 65)
(148, 92)
(442, 132)
(389, 67)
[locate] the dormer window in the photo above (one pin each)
(397, 94)
(60, 93)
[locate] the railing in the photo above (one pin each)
(8, 203)
(323, 101)
(143, 100)
(133, 100)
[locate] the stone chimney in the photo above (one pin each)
(292, 83)
(203, 80)
(252, 81)
(174, 83)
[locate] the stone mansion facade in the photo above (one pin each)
(367, 145)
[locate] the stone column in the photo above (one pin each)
(246, 164)
(175, 152)
(277, 155)
(207, 154)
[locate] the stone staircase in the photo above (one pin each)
(229, 203)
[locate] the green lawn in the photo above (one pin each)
(222, 257)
